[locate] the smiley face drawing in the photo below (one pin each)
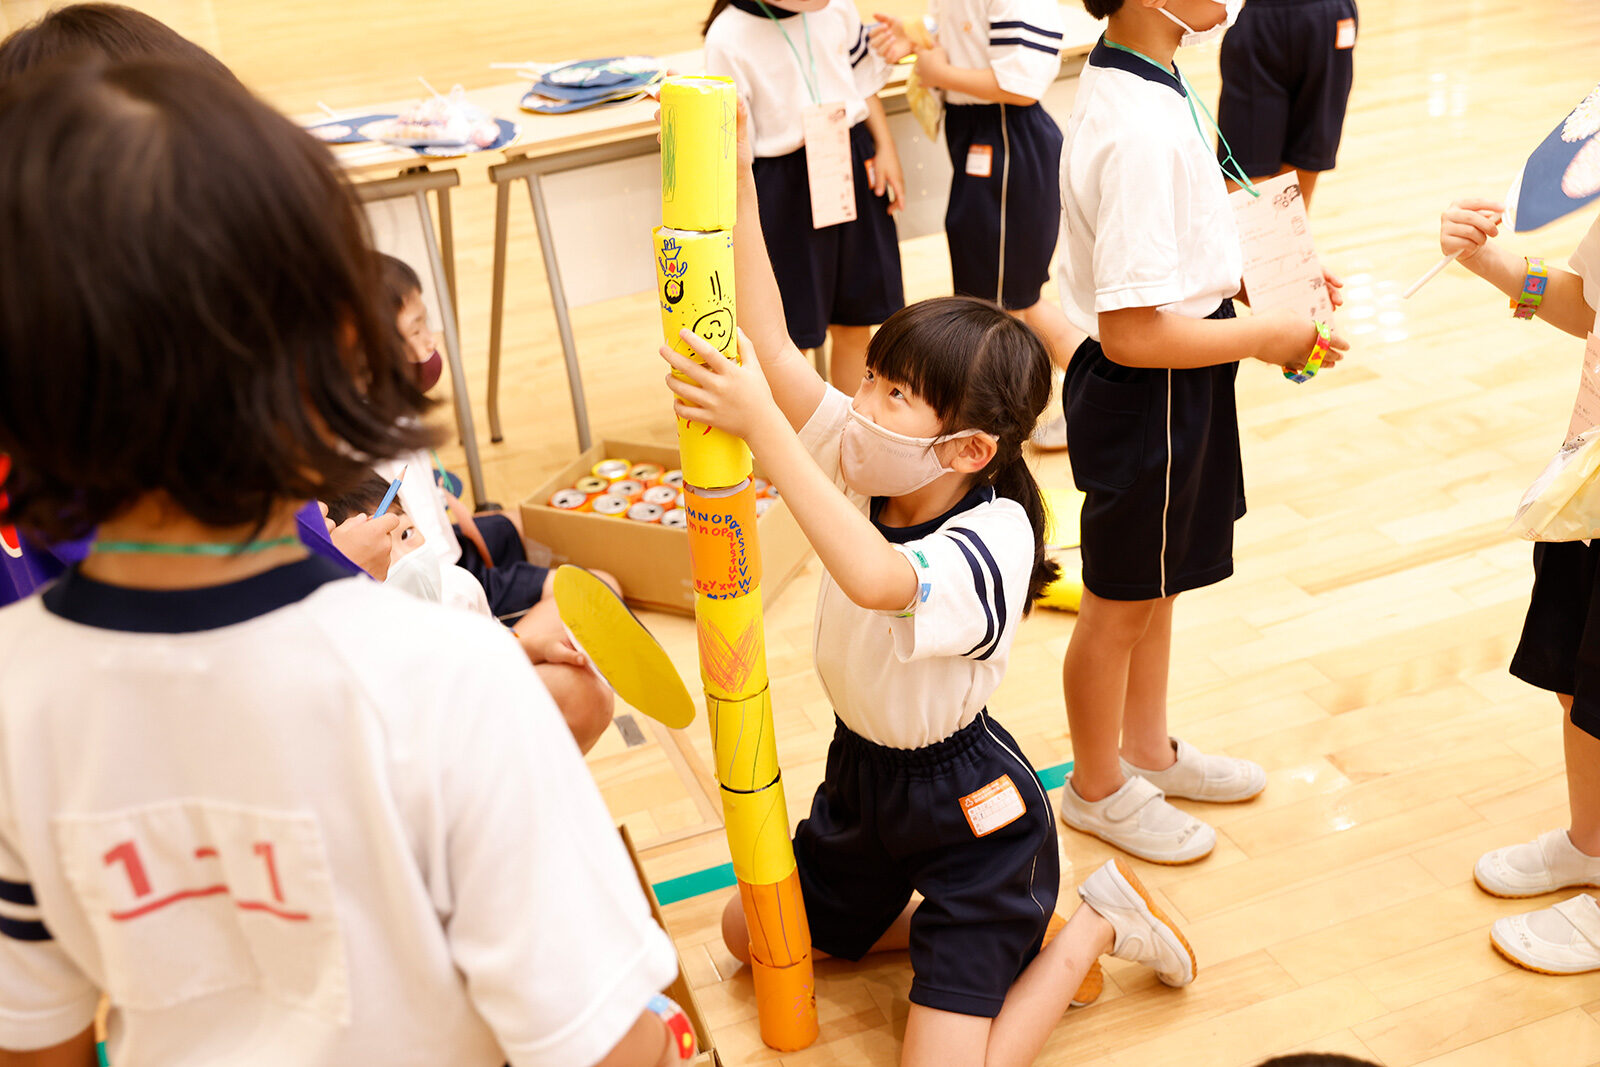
(716, 327)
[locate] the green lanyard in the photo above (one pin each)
(201, 548)
(811, 83)
(1237, 173)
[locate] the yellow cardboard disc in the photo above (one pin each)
(1063, 509)
(622, 650)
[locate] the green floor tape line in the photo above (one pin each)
(672, 890)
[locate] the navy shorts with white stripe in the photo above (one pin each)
(886, 821)
(1156, 453)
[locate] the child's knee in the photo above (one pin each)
(735, 932)
(1123, 622)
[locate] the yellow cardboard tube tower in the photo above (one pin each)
(694, 274)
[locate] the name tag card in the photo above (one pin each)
(828, 169)
(1586, 411)
(1281, 269)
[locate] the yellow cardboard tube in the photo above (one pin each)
(758, 834)
(743, 742)
(726, 560)
(780, 936)
(694, 286)
(733, 647)
(698, 152)
(711, 458)
(786, 1002)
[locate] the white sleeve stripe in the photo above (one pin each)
(983, 597)
(998, 610)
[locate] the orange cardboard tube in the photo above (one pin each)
(779, 933)
(722, 542)
(786, 1001)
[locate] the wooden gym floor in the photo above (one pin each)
(1359, 653)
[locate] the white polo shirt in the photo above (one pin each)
(1585, 263)
(1144, 203)
(909, 680)
(1020, 40)
(302, 819)
(747, 46)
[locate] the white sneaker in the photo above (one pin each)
(1050, 435)
(1143, 934)
(1138, 820)
(1548, 863)
(1197, 776)
(1564, 939)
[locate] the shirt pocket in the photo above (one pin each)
(1106, 431)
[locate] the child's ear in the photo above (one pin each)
(974, 453)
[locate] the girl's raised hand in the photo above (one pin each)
(1466, 226)
(889, 39)
(719, 392)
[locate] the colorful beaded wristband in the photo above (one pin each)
(1314, 362)
(680, 1032)
(1534, 280)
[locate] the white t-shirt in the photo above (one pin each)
(423, 501)
(909, 680)
(750, 48)
(288, 838)
(1585, 263)
(1145, 207)
(1020, 40)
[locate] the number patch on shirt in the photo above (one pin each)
(190, 898)
(1346, 38)
(980, 160)
(996, 805)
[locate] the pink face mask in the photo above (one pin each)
(879, 462)
(428, 371)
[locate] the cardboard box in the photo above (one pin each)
(651, 562)
(679, 990)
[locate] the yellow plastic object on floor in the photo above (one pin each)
(1063, 508)
(627, 656)
(1066, 592)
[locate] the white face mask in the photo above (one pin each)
(1193, 37)
(879, 462)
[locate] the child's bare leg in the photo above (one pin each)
(585, 701)
(1095, 680)
(736, 932)
(1145, 741)
(847, 361)
(1583, 783)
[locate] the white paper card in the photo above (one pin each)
(1586, 411)
(1281, 269)
(828, 169)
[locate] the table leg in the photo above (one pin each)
(558, 301)
(452, 345)
(497, 304)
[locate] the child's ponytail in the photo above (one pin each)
(980, 369)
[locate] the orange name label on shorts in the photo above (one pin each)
(980, 160)
(995, 805)
(1347, 34)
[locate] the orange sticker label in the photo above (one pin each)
(1346, 38)
(996, 805)
(980, 160)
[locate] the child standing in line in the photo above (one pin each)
(994, 60)
(1152, 262)
(1560, 647)
(1287, 67)
(788, 58)
(233, 801)
(918, 500)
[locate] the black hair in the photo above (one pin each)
(1317, 1059)
(1102, 9)
(979, 369)
(400, 281)
(187, 305)
(362, 498)
(102, 31)
(717, 8)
